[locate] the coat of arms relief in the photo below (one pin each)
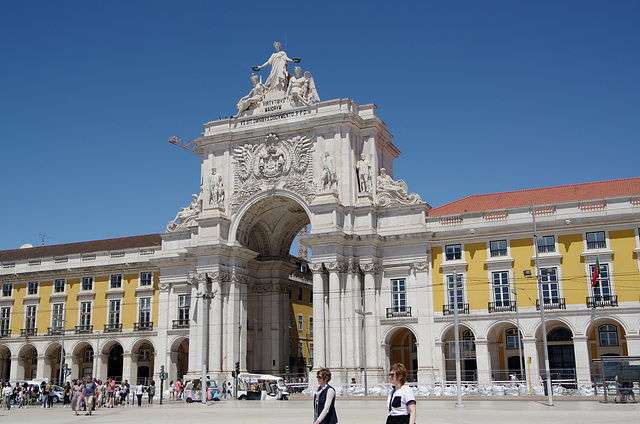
(276, 163)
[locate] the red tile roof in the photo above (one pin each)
(541, 196)
(150, 240)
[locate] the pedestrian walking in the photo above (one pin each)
(178, 389)
(151, 391)
(401, 401)
(172, 390)
(89, 391)
(76, 397)
(224, 389)
(324, 410)
(139, 392)
(66, 401)
(51, 395)
(45, 394)
(7, 391)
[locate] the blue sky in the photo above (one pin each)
(481, 96)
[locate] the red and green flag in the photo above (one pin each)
(596, 274)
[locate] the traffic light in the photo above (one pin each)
(286, 369)
(237, 368)
(233, 374)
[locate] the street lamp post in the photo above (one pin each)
(540, 290)
(205, 321)
(364, 346)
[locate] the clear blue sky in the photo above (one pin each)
(481, 96)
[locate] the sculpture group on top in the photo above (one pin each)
(298, 89)
(390, 192)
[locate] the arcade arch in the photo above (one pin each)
(5, 363)
(28, 362)
(468, 363)
(403, 348)
(143, 356)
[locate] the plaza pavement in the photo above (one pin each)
(350, 411)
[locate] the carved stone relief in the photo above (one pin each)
(186, 215)
(273, 164)
(390, 192)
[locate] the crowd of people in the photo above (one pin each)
(22, 395)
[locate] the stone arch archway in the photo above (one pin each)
(403, 349)
(468, 363)
(115, 359)
(143, 358)
(28, 361)
(5, 363)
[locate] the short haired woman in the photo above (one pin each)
(324, 410)
(401, 400)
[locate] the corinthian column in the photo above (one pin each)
(335, 318)
(319, 356)
(370, 320)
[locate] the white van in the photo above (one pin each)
(261, 386)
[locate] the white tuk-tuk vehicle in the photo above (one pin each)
(261, 386)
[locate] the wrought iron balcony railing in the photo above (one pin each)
(463, 308)
(502, 306)
(601, 301)
(84, 329)
(399, 311)
(180, 323)
(26, 332)
(5, 332)
(143, 326)
(113, 328)
(555, 303)
(55, 331)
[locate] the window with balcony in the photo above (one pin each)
(551, 289)
(501, 292)
(514, 340)
(87, 283)
(546, 244)
(85, 315)
(114, 311)
(398, 298)
(498, 248)
(602, 290)
(58, 286)
(596, 240)
(455, 291)
(57, 317)
(7, 290)
(146, 278)
(115, 282)
(32, 287)
(300, 323)
(30, 321)
(453, 252)
(144, 314)
(184, 306)
(608, 335)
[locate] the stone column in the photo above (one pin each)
(370, 321)
(129, 368)
(195, 331)
(215, 323)
(41, 365)
(439, 359)
(16, 372)
(423, 310)
(633, 344)
(583, 360)
(351, 341)
(483, 362)
(335, 318)
(530, 350)
(162, 325)
(319, 346)
(235, 347)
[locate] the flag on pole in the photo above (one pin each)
(596, 274)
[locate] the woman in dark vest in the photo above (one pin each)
(324, 401)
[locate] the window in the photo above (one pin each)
(87, 283)
(455, 291)
(184, 303)
(116, 281)
(550, 288)
(546, 244)
(501, 289)
(146, 278)
(513, 341)
(145, 310)
(32, 287)
(85, 314)
(30, 322)
(596, 240)
(311, 325)
(602, 290)
(310, 297)
(300, 349)
(300, 323)
(468, 341)
(144, 354)
(399, 295)
(58, 286)
(290, 349)
(87, 354)
(608, 335)
(5, 314)
(311, 352)
(453, 252)
(6, 290)
(57, 318)
(290, 321)
(114, 312)
(498, 248)
(299, 294)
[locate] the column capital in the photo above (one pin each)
(316, 267)
(421, 266)
(370, 268)
(352, 268)
(335, 266)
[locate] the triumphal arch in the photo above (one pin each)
(286, 160)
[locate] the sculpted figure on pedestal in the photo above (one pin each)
(302, 89)
(186, 214)
(328, 177)
(216, 188)
(364, 174)
(254, 97)
(279, 76)
(393, 192)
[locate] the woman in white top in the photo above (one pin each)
(401, 401)
(139, 391)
